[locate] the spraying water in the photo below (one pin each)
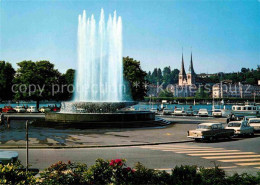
(99, 75)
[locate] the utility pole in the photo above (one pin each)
(27, 146)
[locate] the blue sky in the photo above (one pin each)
(224, 35)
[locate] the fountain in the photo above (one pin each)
(99, 92)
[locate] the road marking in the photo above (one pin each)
(165, 169)
(209, 151)
(248, 164)
(226, 167)
(228, 157)
(174, 146)
(235, 153)
(193, 149)
(239, 160)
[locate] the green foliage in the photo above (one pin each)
(211, 176)
(42, 74)
(6, 77)
(202, 93)
(186, 175)
(245, 75)
(135, 78)
(165, 94)
(166, 77)
(15, 174)
(116, 172)
(64, 173)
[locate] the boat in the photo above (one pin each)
(247, 109)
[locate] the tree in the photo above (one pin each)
(202, 93)
(164, 94)
(36, 81)
(6, 78)
(66, 82)
(135, 77)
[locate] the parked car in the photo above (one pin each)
(240, 128)
(20, 109)
(189, 112)
(246, 118)
(44, 109)
(167, 111)
(8, 109)
(216, 113)
(210, 131)
(32, 109)
(203, 112)
(255, 123)
(179, 112)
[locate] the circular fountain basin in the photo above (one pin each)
(99, 114)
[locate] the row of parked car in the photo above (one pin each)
(182, 112)
(212, 131)
(30, 109)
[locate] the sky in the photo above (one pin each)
(223, 35)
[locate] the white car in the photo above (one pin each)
(216, 113)
(255, 123)
(20, 109)
(179, 112)
(246, 118)
(240, 128)
(203, 112)
(32, 109)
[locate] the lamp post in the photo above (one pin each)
(27, 146)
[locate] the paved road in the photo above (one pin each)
(239, 155)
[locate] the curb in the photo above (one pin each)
(92, 146)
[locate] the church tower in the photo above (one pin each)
(182, 74)
(191, 75)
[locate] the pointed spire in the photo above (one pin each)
(191, 70)
(182, 72)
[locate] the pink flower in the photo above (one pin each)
(118, 161)
(133, 170)
(112, 163)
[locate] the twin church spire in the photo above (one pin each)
(187, 79)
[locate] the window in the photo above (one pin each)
(238, 108)
(249, 108)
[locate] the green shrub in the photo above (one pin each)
(243, 179)
(99, 173)
(186, 175)
(117, 172)
(64, 173)
(15, 174)
(212, 176)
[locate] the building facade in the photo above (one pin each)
(239, 90)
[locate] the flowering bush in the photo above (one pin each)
(15, 174)
(63, 173)
(117, 172)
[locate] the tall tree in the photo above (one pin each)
(135, 77)
(6, 78)
(36, 81)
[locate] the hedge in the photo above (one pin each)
(117, 172)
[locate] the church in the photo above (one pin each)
(186, 86)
